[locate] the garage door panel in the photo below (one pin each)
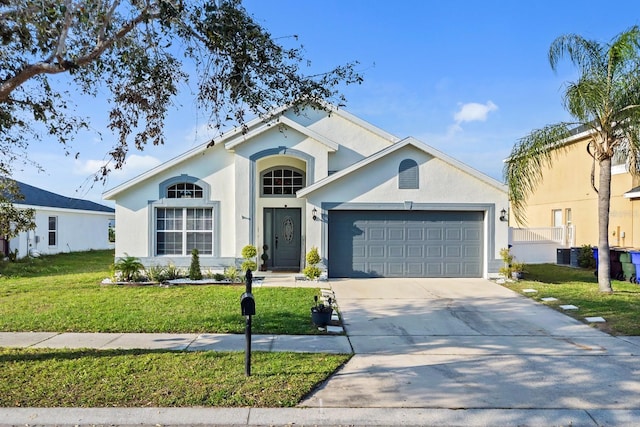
(472, 235)
(434, 251)
(472, 252)
(415, 269)
(453, 235)
(433, 270)
(452, 269)
(376, 233)
(434, 234)
(376, 251)
(415, 251)
(415, 234)
(395, 269)
(396, 251)
(405, 244)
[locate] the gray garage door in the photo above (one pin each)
(405, 244)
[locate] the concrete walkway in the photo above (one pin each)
(427, 353)
(190, 342)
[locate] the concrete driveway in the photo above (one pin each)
(470, 343)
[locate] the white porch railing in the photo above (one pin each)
(540, 245)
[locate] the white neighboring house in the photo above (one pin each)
(373, 204)
(63, 224)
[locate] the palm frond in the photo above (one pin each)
(624, 49)
(583, 53)
(524, 168)
(584, 99)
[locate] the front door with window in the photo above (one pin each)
(282, 235)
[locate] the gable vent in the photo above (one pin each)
(408, 174)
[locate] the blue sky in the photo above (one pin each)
(466, 77)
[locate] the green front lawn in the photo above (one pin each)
(62, 293)
(579, 287)
(139, 378)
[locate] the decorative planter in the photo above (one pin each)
(517, 275)
(321, 318)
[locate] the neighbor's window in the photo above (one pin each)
(184, 190)
(112, 231)
(180, 230)
(53, 230)
(408, 174)
(282, 182)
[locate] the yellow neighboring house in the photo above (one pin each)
(565, 198)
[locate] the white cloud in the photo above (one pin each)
(474, 112)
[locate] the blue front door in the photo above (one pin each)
(283, 236)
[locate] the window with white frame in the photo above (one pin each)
(53, 231)
(282, 182)
(180, 230)
(184, 190)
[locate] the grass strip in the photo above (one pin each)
(141, 378)
(579, 287)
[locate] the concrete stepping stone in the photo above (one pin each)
(529, 291)
(548, 299)
(596, 319)
(335, 329)
(568, 307)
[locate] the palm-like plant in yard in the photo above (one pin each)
(605, 100)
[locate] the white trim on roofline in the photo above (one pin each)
(398, 145)
(256, 125)
(239, 139)
(63, 210)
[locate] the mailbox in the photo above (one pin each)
(247, 304)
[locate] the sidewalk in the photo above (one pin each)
(190, 342)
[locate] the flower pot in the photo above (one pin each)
(321, 318)
(517, 275)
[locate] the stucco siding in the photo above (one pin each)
(441, 186)
(566, 185)
(75, 231)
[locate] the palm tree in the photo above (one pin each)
(605, 100)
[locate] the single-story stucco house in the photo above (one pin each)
(63, 224)
(373, 204)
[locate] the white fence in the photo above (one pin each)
(540, 245)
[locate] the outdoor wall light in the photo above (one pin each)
(314, 214)
(503, 215)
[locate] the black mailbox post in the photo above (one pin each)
(248, 309)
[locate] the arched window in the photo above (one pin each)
(184, 190)
(282, 181)
(408, 174)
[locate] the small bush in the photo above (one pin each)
(311, 271)
(130, 268)
(173, 272)
(249, 253)
(585, 257)
(510, 264)
(194, 269)
(156, 273)
(232, 274)
(312, 256)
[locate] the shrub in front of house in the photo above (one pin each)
(195, 273)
